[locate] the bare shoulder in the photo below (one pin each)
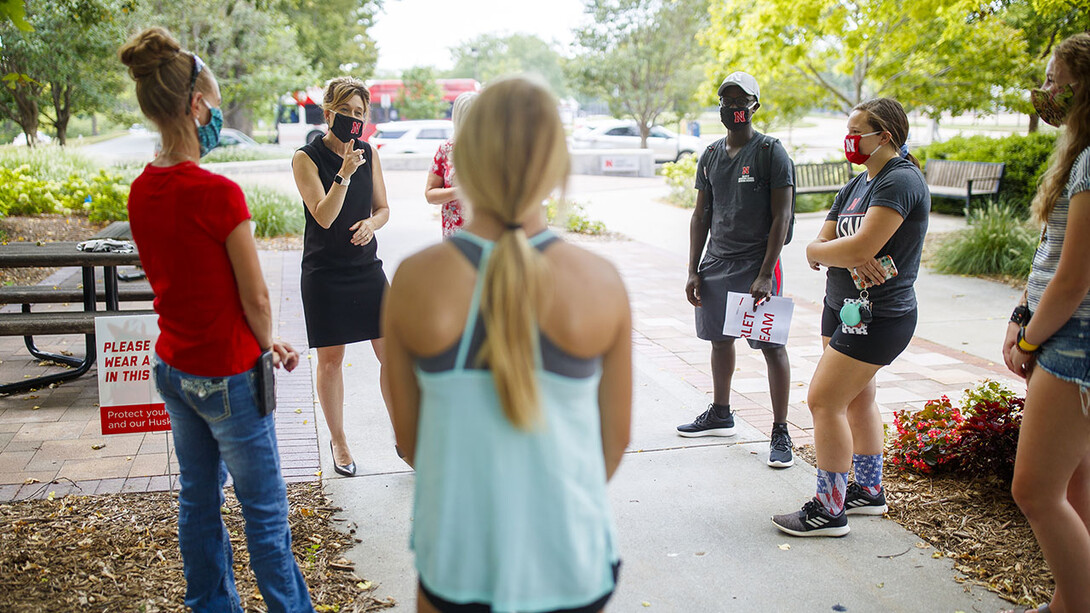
(589, 304)
(585, 268)
(301, 160)
(429, 299)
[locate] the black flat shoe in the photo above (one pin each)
(348, 470)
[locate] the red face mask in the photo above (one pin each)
(851, 148)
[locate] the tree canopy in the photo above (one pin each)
(932, 55)
(489, 56)
(637, 57)
(421, 97)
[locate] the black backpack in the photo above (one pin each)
(764, 166)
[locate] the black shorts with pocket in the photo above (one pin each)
(886, 337)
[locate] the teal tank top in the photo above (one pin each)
(515, 519)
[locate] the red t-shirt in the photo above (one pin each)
(180, 218)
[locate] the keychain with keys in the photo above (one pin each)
(856, 314)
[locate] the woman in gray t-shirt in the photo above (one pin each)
(871, 244)
(1050, 329)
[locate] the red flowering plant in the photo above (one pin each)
(927, 439)
(989, 436)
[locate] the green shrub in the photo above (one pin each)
(101, 198)
(275, 213)
(1025, 156)
(811, 203)
(680, 177)
(998, 241)
(243, 154)
(577, 221)
(47, 162)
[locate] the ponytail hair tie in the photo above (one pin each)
(513, 226)
(903, 150)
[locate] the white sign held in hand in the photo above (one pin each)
(770, 322)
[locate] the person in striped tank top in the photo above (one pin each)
(1048, 339)
(509, 363)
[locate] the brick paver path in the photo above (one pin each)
(48, 437)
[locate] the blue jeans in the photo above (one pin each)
(218, 429)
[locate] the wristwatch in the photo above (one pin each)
(1020, 315)
(341, 180)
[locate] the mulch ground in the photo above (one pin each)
(976, 523)
(119, 552)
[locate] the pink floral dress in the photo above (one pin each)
(443, 167)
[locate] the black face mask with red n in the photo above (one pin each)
(735, 118)
(346, 129)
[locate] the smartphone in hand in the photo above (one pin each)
(266, 383)
(886, 262)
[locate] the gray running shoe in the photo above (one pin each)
(812, 520)
(779, 451)
(858, 502)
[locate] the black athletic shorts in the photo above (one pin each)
(885, 339)
(445, 606)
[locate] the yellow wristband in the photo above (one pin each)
(1025, 345)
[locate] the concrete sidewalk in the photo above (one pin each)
(692, 514)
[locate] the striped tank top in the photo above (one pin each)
(1047, 258)
(517, 519)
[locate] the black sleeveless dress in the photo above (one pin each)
(342, 284)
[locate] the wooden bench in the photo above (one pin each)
(824, 177)
(41, 294)
(963, 180)
(57, 322)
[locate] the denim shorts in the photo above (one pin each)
(1066, 354)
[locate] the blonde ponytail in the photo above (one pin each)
(514, 284)
(510, 154)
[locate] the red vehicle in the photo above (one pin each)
(299, 115)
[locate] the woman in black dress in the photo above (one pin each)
(340, 180)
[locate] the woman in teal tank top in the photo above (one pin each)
(511, 383)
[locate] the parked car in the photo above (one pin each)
(230, 137)
(21, 138)
(667, 146)
(418, 136)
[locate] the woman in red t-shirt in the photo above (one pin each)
(439, 188)
(193, 231)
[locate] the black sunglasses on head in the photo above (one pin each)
(198, 66)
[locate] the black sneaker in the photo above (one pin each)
(812, 520)
(858, 502)
(779, 451)
(709, 424)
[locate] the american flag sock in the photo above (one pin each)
(831, 488)
(868, 472)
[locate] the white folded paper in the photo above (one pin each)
(769, 322)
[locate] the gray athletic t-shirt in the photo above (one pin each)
(741, 195)
(901, 187)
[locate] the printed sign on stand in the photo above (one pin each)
(127, 399)
(769, 322)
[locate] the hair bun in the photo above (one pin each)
(149, 50)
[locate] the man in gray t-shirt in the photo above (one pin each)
(745, 185)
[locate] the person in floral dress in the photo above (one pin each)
(439, 188)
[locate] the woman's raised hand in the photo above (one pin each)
(352, 160)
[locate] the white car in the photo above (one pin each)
(21, 138)
(667, 146)
(418, 136)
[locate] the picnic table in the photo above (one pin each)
(28, 323)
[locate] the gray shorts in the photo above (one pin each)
(717, 277)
